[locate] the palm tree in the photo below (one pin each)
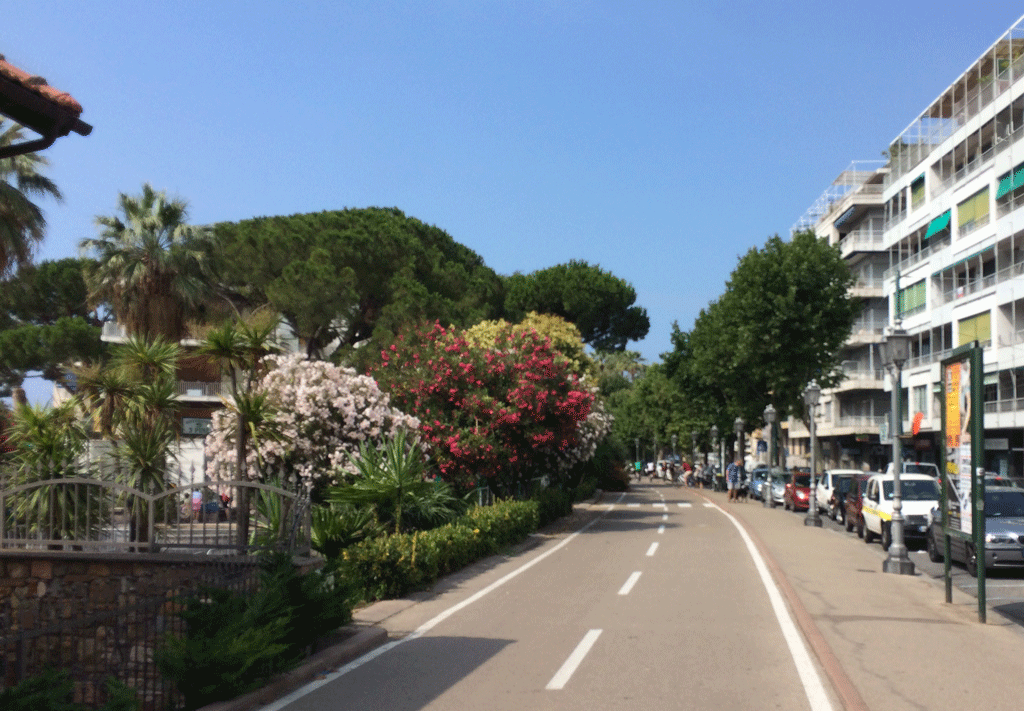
(22, 224)
(150, 264)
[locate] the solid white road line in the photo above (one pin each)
(684, 505)
(431, 623)
(562, 676)
(710, 506)
(633, 505)
(661, 529)
(813, 688)
(650, 551)
(630, 582)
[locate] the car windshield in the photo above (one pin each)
(781, 477)
(1004, 504)
(914, 490)
(802, 480)
(914, 468)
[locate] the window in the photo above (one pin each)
(917, 192)
(921, 399)
(976, 328)
(911, 300)
(973, 212)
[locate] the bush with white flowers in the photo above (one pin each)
(323, 412)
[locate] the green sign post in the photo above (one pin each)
(963, 475)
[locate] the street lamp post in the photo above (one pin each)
(693, 447)
(812, 394)
(674, 440)
(636, 442)
(714, 445)
(895, 351)
(738, 425)
(769, 418)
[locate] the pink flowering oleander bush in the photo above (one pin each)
(323, 412)
(504, 411)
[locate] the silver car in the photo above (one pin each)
(1004, 533)
(778, 493)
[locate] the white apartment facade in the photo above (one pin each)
(954, 226)
(951, 207)
(850, 214)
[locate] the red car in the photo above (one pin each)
(798, 493)
(854, 498)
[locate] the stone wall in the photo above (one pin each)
(99, 615)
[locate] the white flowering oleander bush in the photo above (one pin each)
(323, 413)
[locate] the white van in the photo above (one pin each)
(920, 494)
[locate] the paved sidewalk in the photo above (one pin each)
(894, 638)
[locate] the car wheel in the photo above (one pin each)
(933, 550)
(972, 562)
(886, 537)
(869, 535)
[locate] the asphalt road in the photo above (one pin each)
(1004, 587)
(657, 604)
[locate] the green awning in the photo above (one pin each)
(938, 224)
(1018, 179)
(1005, 186)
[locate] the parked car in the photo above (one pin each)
(827, 483)
(757, 479)
(797, 494)
(835, 508)
(853, 516)
(779, 480)
(920, 494)
(1004, 533)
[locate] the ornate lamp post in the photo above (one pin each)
(769, 420)
(812, 394)
(693, 447)
(714, 445)
(895, 351)
(640, 471)
(738, 425)
(674, 440)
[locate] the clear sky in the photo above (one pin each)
(660, 140)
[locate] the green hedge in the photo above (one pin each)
(395, 565)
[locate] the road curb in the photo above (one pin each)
(315, 665)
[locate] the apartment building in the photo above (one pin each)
(954, 226)
(850, 214)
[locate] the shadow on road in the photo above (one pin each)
(375, 685)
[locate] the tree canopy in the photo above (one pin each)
(22, 224)
(598, 302)
(150, 264)
(45, 321)
(355, 274)
(781, 322)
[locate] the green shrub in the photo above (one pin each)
(505, 523)
(395, 565)
(53, 690)
(552, 504)
(235, 643)
(586, 489)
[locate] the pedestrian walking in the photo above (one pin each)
(732, 478)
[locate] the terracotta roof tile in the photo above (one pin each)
(39, 86)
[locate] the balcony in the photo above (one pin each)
(198, 390)
(860, 377)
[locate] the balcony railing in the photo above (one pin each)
(1008, 405)
(933, 246)
(198, 388)
(867, 421)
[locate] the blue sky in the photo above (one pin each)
(660, 140)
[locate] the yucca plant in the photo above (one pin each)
(392, 481)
